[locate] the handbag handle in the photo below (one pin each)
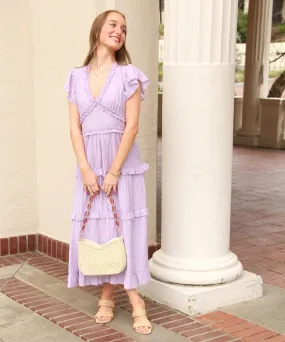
(87, 212)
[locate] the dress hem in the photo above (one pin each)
(73, 281)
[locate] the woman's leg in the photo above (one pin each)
(138, 305)
(104, 312)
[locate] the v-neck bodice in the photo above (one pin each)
(105, 85)
(121, 83)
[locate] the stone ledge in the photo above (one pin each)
(194, 300)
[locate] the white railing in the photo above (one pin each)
(275, 50)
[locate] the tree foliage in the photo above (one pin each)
(242, 26)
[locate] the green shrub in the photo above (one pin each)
(274, 73)
(160, 71)
(239, 76)
(281, 28)
(242, 26)
(161, 30)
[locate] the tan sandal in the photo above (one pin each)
(109, 316)
(144, 323)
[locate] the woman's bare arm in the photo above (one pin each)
(89, 178)
(132, 127)
(76, 137)
(133, 106)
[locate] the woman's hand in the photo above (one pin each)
(90, 182)
(110, 184)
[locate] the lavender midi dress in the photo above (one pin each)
(103, 121)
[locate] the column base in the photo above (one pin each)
(196, 270)
(194, 300)
(246, 140)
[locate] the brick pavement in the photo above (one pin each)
(258, 212)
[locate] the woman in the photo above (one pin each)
(104, 105)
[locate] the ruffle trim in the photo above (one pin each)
(127, 171)
(104, 131)
(129, 281)
(70, 86)
(134, 78)
(108, 111)
(109, 214)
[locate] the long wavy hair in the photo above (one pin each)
(122, 56)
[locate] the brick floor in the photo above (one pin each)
(258, 212)
(59, 313)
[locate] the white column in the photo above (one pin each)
(198, 106)
(256, 69)
(142, 43)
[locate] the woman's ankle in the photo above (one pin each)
(135, 299)
(107, 292)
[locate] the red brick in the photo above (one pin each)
(22, 257)
(98, 334)
(13, 259)
(176, 323)
(55, 308)
(22, 244)
(214, 317)
(196, 332)
(248, 332)
(88, 330)
(114, 337)
(31, 243)
(207, 336)
(40, 243)
(163, 314)
(279, 338)
(169, 319)
(49, 246)
(49, 304)
(51, 267)
(4, 246)
(82, 325)
(187, 327)
(224, 338)
(228, 323)
(45, 244)
(32, 298)
(58, 250)
(238, 327)
(64, 252)
(4, 262)
(39, 302)
(13, 241)
(71, 322)
(261, 336)
(4, 281)
(122, 302)
(69, 317)
(20, 294)
(53, 248)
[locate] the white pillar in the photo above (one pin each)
(197, 144)
(142, 43)
(256, 69)
(198, 106)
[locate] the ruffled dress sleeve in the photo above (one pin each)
(133, 79)
(70, 86)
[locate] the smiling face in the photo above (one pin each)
(113, 32)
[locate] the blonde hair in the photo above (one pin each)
(122, 56)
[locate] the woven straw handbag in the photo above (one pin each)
(105, 259)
